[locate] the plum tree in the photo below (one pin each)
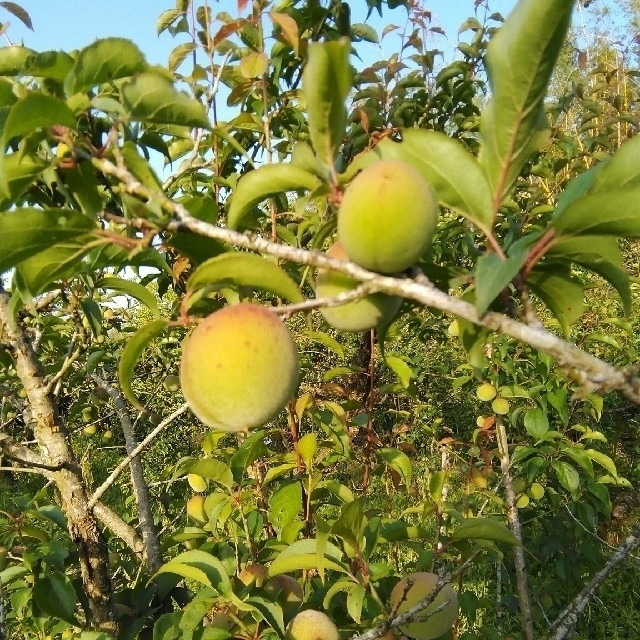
(403, 597)
(361, 315)
(239, 368)
(387, 217)
(312, 625)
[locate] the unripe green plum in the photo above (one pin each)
(536, 491)
(312, 625)
(361, 315)
(239, 368)
(387, 217)
(500, 406)
(171, 383)
(422, 585)
(486, 392)
(91, 430)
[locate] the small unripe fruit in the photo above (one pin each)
(536, 491)
(312, 625)
(107, 436)
(91, 430)
(361, 315)
(454, 329)
(22, 393)
(287, 592)
(522, 501)
(196, 482)
(387, 217)
(171, 383)
(239, 368)
(500, 406)
(486, 392)
(422, 585)
(479, 478)
(480, 420)
(519, 485)
(195, 509)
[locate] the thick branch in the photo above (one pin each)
(589, 372)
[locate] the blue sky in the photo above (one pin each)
(72, 24)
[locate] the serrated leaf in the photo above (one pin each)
(442, 160)
(326, 83)
(398, 461)
(264, 182)
(602, 214)
(246, 270)
(36, 111)
(493, 274)
(536, 423)
(27, 232)
(519, 61)
(56, 597)
(103, 61)
(167, 18)
(483, 529)
(131, 354)
(150, 97)
(567, 475)
(561, 292)
(54, 65)
(203, 568)
(179, 53)
(133, 289)
(603, 460)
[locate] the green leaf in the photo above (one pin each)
(603, 460)
(351, 524)
(215, 470)
(13, 59)
(264, 182)
(326, 340)
(285, 504)
(245, 270)
(400, 368)
(519, 61)
(561, 292)
(131, 354)
(307, 447)
(56, 597)
(19, 174)
(599, 254)
(52, 65)
(483, 529)
(271, 612)
(326, 83)
(203, 568)
(55, 514)
(611, 213)
(441, 161)
(398, 530)
(622, 171)
(26, 232)
(82, 182)
(355, 600)
(398, 461)
(150, 97)
(436, 485)
(103, 61)
(536, 423)
(133, 289)
(567, 475)
(36, 111)
(493, 274)
(301, 555)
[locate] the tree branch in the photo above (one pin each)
(589, 372)
(99, 492)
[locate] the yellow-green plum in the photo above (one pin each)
(312, 625)
(360, 315)
(387, 217)
(422, 584)
(239, 368)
